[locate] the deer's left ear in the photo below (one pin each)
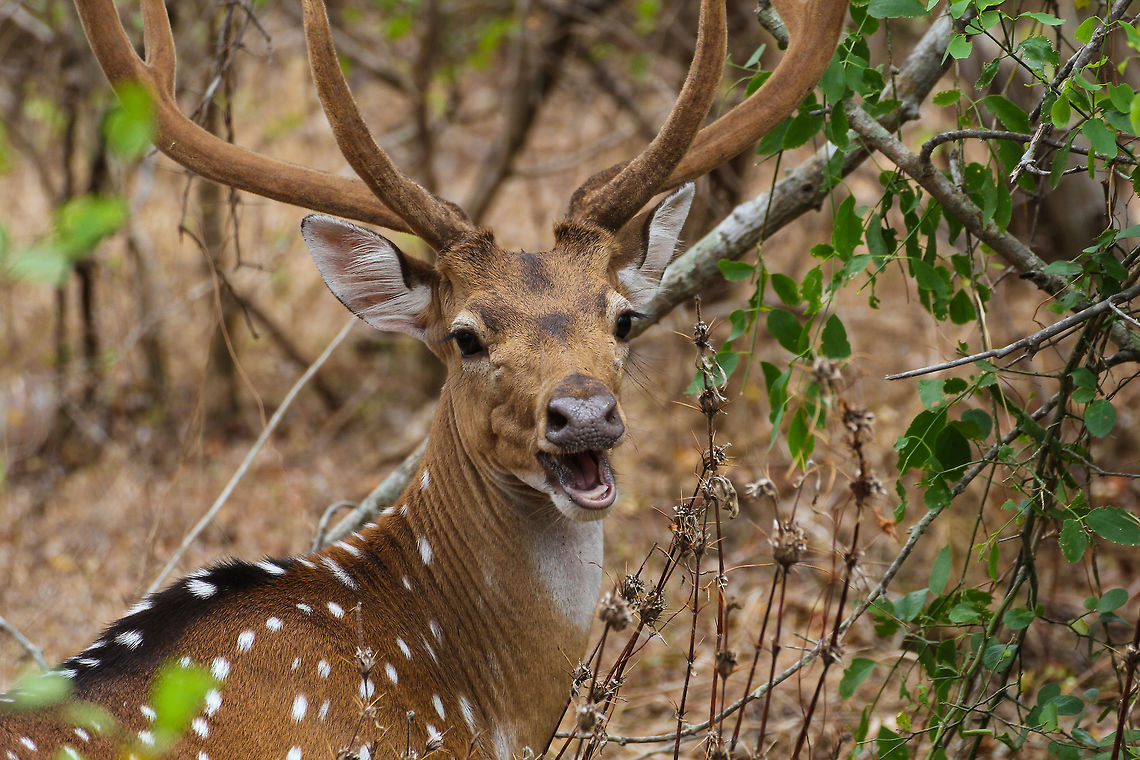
(647, 244)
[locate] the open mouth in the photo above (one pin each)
(585, 476)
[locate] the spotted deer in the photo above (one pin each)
(469, 601)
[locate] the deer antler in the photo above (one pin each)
(627, 188)
(198, 150)
(438, 222)
(679, 153)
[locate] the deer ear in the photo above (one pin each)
(647, 244)
(370, 275)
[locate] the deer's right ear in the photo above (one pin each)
(370, 275)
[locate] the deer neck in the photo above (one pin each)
(517, 580)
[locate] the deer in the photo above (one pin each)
(470, 600)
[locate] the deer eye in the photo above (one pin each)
(624, 324)
(468, 343)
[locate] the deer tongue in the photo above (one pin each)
(585, 476)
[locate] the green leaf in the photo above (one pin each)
(1063, 268)
(998, 655)
(890, 745)
(177, 696)
(1085, 31)
(1115, 524)
(1017, 618)
(736, 271)
(847, 229)
(940, 570)
(946, 97)
(1102, 139)
(1060, 112)
(896, 9)
(908, 606)
(1072, 540)
(1100, 416)
(952, 450)
(1009, 113)
(41, 690)
(785, 328)
(959, 47)
(740, 319)
(964, 614)
(1045, 18)
(930, 393)
(975, 424)
(786, 289)
(962, 309)
(130, 126)
(800, 440)
(834, 339)
(1112, 600)
(855, 674)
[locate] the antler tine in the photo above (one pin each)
(813, 29)
(201, 152)
(438, 222)
(611, 198)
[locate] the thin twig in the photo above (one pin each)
(36, 653)
(1032, 342)
(250, 456)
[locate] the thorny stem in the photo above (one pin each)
(1131, 658)
(752, 670)
(772, 664)
(862, 489)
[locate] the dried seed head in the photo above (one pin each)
(718, 488)
(365, 661)
(701, 334)
(761, 488)
(858, 420)
(711, 399)
(651, 608)
(590, 718)
(714, 459)
(725, 662)
(527, 753)
(614, 612)
(632, 588)
(788, 543)
(827, 374)
(582, 676)
(717, 749)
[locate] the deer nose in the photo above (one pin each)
(580, 424)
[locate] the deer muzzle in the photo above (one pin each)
(584, 422)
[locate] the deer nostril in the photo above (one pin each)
(555, 420)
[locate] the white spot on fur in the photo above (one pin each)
(433, 733)
(69, 673)
(203, 756)
(245, 640)
(354, 551)
(364, 753)
(300, 707)
(335, 609)
(28, 743)
(142, 606)
(435, 700)
(367, 689)
(425, 480)
(273, 624)
(296, 663)
(220, 667)
(201, 589)
(305, 608)
(338, 572)
(147, 738)
(130, 639)
(502, 743)
(71, 752)
(393, 676)
(294, 753)
(83, 734)
(436, 631)
(406, 582)
(323, 669)
(427, 646)
(200, 727)
(306, 563)
(88, 662)
(324, 710)
(184, 662)
(270, 567)
(213, 702)
(148, 712)
(404, 648)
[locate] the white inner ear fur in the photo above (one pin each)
(641, 281)
(363, 270)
